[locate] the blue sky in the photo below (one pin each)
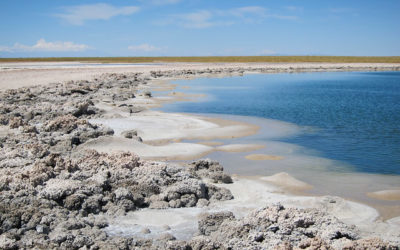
(199, 28)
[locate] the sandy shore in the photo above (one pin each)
(157, 135)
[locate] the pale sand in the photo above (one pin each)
(286, 181)
(387, 195)
(235, 148)
(263, 157)
(15, 75)
(156, 125)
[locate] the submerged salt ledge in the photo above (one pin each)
(390, 195)
(154, 126)
(157, 126)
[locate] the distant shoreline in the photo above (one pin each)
(25, 74)
(214, 59)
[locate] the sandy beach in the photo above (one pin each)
(125, 107)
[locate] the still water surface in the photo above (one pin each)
(351, 117)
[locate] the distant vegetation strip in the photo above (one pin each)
(214, 59)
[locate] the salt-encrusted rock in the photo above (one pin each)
(129, 134)
(64, 124)
(29, 129)
(370, 243)
(207, 164)
(132, 134)
(219, 193)
(147, 94)
(122, 194)
(219, 177)
(28, 115)
(7, 242)
(166, 237)
(202, 203)
(3, 120)
(70, 189)
(15, 122)
(57, 189)
(209, 223)
(81, 108)
(157, 204)
(74, 201)
(210, 169)
(145, 231)
(42, 229)
(276, 226)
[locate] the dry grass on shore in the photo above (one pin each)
(214, 59)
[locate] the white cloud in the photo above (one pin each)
(209, 18)
(5, 49)
(144, 48)
(42, 45)
(198, 20)
(77, 15)
(249, 10)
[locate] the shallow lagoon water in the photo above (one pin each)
(339, 132)
(352, 117)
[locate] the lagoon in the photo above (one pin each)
(350, 117)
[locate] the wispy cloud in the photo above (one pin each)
(198, 20)
(41, 45)
(247, 10)
(209, 18)
(144, 48)
(79, 14)
(340, 10)
(343, 12)
(5, 49)
(283, 17)
(161, 2)
(294, 8)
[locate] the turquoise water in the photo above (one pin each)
(352, 117)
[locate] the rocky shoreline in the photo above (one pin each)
(54, 195)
